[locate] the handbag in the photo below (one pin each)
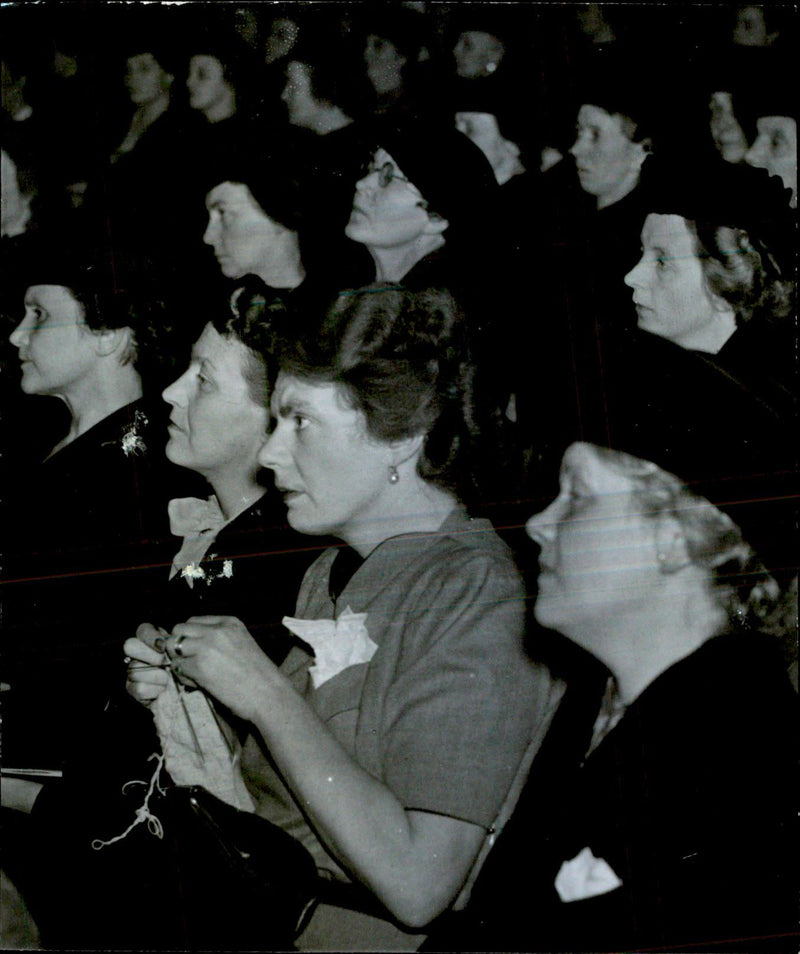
(245, 883)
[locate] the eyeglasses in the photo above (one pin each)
(387, 173)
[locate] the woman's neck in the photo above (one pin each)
(412, 506)
(393, 264)
(283, 268)
(98, 398)
(330, 119)
(641, 645)
(235, 492)
(712, 336)
(624, 188)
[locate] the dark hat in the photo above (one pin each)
(712, 192)
(275, 179)
(452, 174)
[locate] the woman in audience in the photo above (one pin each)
(362, 750)
(237, 556)
(774, 111)
(84, 517)
(715, 275)
(670, 820)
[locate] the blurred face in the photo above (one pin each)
(14, 206)
(243, 236)
(334, 476)
(145, 80)
(750, 28)
(216, 428)
(388, 210)
(384, 64)
(608, 162)
(598, 551)
(206, 83)
(503, 155)
(301, 104)
(670, 293)
(282, 37)
(56, 347)
(775, 149)
(728, 135)
(477, 54)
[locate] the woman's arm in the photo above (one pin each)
(414, 862)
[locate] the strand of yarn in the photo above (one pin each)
(143, 814)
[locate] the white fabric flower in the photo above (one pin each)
(585, 877)
(337, 643)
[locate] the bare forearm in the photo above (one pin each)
(410, 862)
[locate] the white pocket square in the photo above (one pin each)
(337, 643)
(585, 877)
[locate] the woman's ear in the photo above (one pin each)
(111, 341)
(407, 449)
(672, 551)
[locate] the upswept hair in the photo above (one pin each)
(403, 359)
(743, 586)
(742, 271)
(254, 318)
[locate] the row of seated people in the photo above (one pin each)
(395, 712)
(391, 420)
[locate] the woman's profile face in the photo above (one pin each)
(670, 293)
(477, 54)
(206, 82)
(215, 426)
(333, 474)
(388, 210)
(56, 347)
(301, 104)
(728, 135)
(607, 160)
(145, 80)
(598, 552)
(384, 64)
(775, 149)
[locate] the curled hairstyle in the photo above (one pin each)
(742, 271)
(742, 585)
(402, 358)
(254, 318)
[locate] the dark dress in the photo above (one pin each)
(689, 799)
(82, 529)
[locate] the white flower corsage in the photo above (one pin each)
(337, 643)
(585, 877)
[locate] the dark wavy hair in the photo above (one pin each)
(742, 271)
(256, 319)
(403, 359)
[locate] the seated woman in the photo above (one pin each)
(774, 111)
(715, 276)
(82, 522)
(237, 555)
(358, 745)
(670, 819)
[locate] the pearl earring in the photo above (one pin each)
(394, 477)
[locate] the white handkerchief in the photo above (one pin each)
(585, 877)
(337, 643)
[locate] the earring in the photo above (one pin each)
(662, 558)
(394, 477)
(491, 67)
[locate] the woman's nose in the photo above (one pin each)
(270, 451)
(211, 234)
(633, 276)
(19, 335)
(173, 393)
(541, 527)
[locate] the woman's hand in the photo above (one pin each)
(219, 654)
(147, 673)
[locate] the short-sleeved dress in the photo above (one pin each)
(443, 711)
